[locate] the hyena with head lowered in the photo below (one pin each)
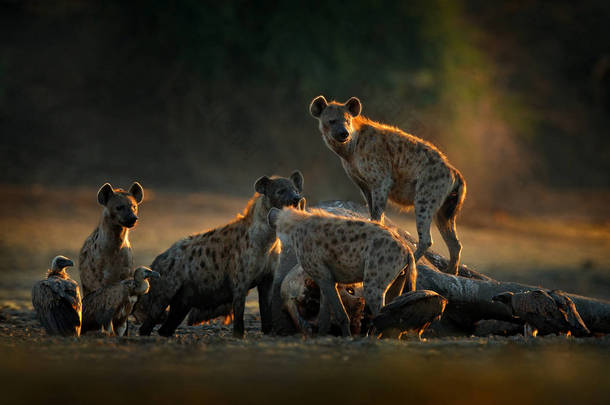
(387, 163)
(219, 267)
(333, 249)
(106, 257)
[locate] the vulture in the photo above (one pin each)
(301, 299)
(109, 307)
(544, 313)
(411, 311)
(57, 301)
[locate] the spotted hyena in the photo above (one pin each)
(386, 162)
(301, 299)
(333, 249)
(209, 270)
(106, 257)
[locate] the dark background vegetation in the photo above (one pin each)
(207, 96)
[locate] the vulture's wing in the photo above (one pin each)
(411, 310)
(58, 311)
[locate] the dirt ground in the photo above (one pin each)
(205, 363)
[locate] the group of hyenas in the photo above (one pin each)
(343, 262)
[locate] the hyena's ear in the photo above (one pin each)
(261, 185)
(137, 191)
(302, 204)
(317, 106)
(104, 194)
(354, 106)
(272, 217)
(297, 179)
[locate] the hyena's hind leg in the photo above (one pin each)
(445, 221)
(426, 204)
(178, 310)
(446, 227)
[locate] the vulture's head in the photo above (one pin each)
(59, 263)
(141, 275)
(144, 272)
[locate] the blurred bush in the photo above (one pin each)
(210, 95)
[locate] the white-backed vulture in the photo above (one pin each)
(57, 301)
(109, 307)
(411, 311)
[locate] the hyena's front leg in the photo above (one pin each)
(264, 302)
(335, 305)
(239, 306)
(379, 200)
(364, 189)
(323, 315)
(330, 300)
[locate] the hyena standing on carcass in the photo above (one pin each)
(106, 257)
(212, 269)
(333, 249)
(386, 162)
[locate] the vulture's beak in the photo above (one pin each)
(151, 273)
(67, 263)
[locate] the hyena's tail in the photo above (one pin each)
(455, 199)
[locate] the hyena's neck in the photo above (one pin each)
(255, 218)
(345, 150)
(111, 234)
(287, 224)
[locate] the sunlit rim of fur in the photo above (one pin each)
(320, 213)
(360, 121)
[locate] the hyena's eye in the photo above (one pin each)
(350, 291)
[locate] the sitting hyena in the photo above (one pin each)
(106, 257)
(333, 249)
(386, 162)
(219, 267)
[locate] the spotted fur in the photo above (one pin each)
(387, 163)
(209, 270)
(334, 249)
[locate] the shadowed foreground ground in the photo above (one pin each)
(205, 364)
